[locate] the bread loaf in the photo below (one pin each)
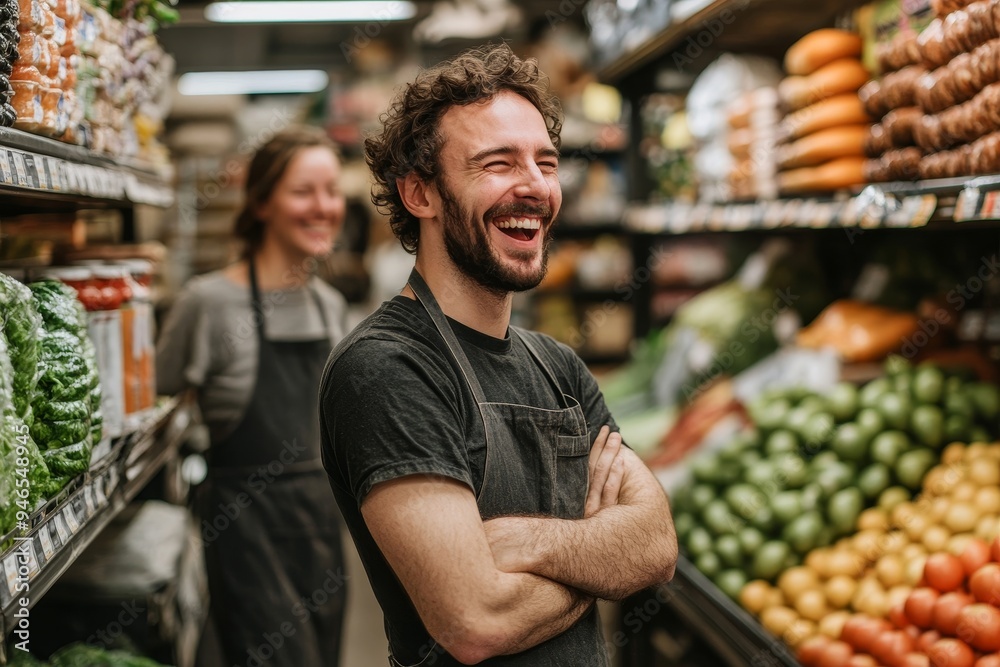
(843, 109)
(899, 125)
(903, 50)
(959, 32)
(823, 146)
(877, 141)
(834, 175)
(894, 90)
(901, 164)
(820, 48)
(841, 76)
(960, 124)
(959, 81)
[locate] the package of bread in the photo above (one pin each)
(836, 111)
(819, 48)
(899, 124)
(970, 27)
(984, 155)
(942, 8)
(901, 51)
(900, 164)
(841, 76)
(931, 43)
(959, 81)
(829, 177)
(962, 123)
(823, 146)
(877, 141)
(894, 90)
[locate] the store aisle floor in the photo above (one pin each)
(364, 636)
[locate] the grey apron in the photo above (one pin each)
(273, 551)
(535, 464)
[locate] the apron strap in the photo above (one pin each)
(258, 309)
(536, 354)
(430, 304)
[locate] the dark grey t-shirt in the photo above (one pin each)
(394, 405)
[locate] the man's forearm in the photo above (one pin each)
(614, 553)
(532, 609)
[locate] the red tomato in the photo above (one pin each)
(897, 616)
(919, 607)
(811, 650)
(836, 655)
(947, 610)
(890, 647)
(914, 660)
(951, 653)
(860, 632)
(926, 640)
(995, 548)
(944, 572)
(979, 625)
(974, 556)
(991, 660)
(985, 584)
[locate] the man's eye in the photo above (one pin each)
(499, 164)
(548, 165)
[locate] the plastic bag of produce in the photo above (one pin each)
(63, 411)
(70, 460)
(83, 655)
(25, 447)
(21, 324)
(57, 307)
(50, 435)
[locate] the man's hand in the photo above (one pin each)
(607, 470)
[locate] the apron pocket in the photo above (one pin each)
(572, 472)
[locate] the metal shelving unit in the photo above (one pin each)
(63, 528)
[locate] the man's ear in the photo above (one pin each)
(419, 198)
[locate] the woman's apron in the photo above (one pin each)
(272, 537)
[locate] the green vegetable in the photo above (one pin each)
(843, 401)
(844, 508)
(70, 460)
(802, 533)
(84, 655)
(927, 424)
(21, 324)
(912, 467)
(731, 582)
(850, 442)
(709, 563)
(928, 384)
(770, 560)
(729, 550)
(64, 411)
(50, 435)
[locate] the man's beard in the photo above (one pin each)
(469, 245)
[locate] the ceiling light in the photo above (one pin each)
(252, 83)
(307, 11)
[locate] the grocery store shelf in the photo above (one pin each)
(38, 171)
(62, 529)
(733, 633)
(713, 26)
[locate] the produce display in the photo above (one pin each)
(83, 655)
(753, 133)
(826, 130)
(858, 331)
(811, 464)
(8, 54)
(83, 75)
(67, 407)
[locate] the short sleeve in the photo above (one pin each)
(184, 348)
(389, 410)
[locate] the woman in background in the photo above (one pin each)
(252, 340)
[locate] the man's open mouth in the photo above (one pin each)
(520, 229)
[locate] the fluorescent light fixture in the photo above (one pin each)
(307, 11)
(252, 83)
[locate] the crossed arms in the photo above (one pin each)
(502, 586)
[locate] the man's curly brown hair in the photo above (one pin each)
(410, 141)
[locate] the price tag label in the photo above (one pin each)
(55, 178)
(37, 167)
(31, 171)
(99, 495)
(10, 573)
(88, 498)
(71, 520)
(48, 549)
(33, 565)
(966, 208)
(20, 169)
(6, 176)
(61, 531)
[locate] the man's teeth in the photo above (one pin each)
(519, 223)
